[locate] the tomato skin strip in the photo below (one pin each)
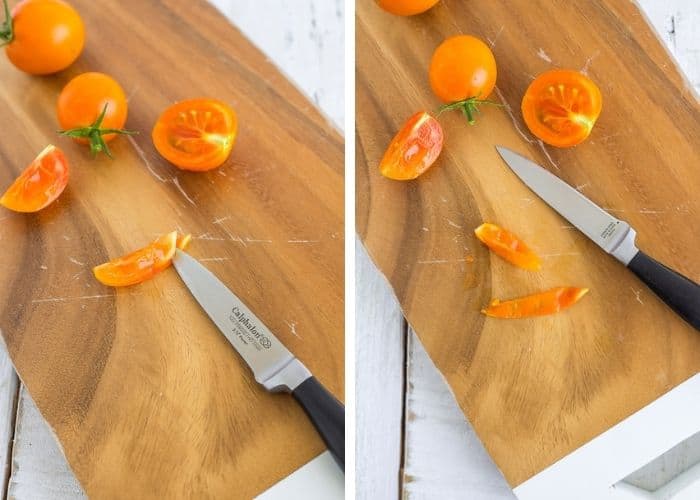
(540, 304)
(142, 264)
(508, 246)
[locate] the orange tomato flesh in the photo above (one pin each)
(541, 304)
(414, 149)
(140, 265)
(508, 246)
(197, 134)
(183, 240)
(39, 184)
(561, 106)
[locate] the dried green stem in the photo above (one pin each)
(7, 33)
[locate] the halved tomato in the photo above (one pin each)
(540, 304)
(197, 134)
(561, 107)
(414, 149)
(508, 246)
(40, 184)
(140, 265)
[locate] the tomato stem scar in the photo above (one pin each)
(94, 134)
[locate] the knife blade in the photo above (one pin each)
(614, 236)
(272, 364)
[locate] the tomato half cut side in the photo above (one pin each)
(140, 265)
(197, 134)
(414, 149)
(561, 107)
(507, 246)
(40, 183)
(540, 304)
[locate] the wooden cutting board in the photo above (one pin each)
(146, 397)
(534, 389)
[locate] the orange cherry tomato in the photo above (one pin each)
(40, 184)
(140, 265)
(414, 149)
(561, 107)
(508, 246)
(92, 109)
(42, 36)
(462, 69)
(406, 7)
(541, 304)
(197, 134)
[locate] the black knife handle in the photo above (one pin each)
(326, 413)
(681, 294)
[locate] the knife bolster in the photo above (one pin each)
(287, 378)
(626, 249)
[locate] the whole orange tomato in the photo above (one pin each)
(406, 7)
(561, 107)
(42, 36)
(92, 109)
(197, 134)
(463, 72)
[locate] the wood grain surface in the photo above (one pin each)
(537, 389)
(145, 395)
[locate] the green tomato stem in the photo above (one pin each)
(469, 107)
(94, 133)
(7, 33)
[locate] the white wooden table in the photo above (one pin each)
(305, 38)
(413, 442)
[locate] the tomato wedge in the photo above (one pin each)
(414, 149)
(40, 184)
(561, 107)
(142, 264)
(197, 134)
(508, 246)
(541, 304)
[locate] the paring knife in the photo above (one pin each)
(274, 367)
(614, 236)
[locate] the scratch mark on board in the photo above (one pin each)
(543, 55)
(509, 110)
(587, 64)
(214, 259)
(69, 299)
(637, 295)
(142, 155)
(293, 328)
(492, 43)
(453, 224)
(76, 261)
(547, 155)
(176, 181)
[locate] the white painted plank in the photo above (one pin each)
(444, 457)
(676, 22)
(379, 384)
(305, 40)
(39, 468)
(9, 386)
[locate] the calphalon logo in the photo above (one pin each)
(240, 316)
